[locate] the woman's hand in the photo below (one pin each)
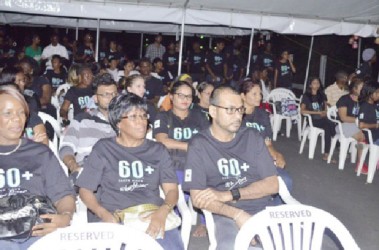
(56, 221)
(157, 222)
(106, 216)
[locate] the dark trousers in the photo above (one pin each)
(329, 128)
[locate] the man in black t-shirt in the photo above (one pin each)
(56, 76)
(195, 63)
(229, 170)
(154, 86)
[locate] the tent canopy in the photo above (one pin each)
(342, 17)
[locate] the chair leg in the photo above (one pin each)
(344, 147)
(305, 135)
(299, 128)
(362, 160)
(373, 160)
(332, 147)
(353, 152)
(288, 126)
(322, 142)
(312, 145)
(276, 128)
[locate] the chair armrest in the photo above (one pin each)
(369, 135)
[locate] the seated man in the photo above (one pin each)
(87, 128)
(229, 170)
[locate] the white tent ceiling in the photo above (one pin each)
(317, 17)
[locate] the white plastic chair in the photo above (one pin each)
(277, 95)
(345, 142)
(373, 158)
(54, 144)
(284, 195)
(292, 227)
(311, 133)
(62, 90)
(96, 236)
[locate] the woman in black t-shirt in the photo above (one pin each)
(24, 173)
(314, 104)
(204, 90)
(369, 111)
(284, 69)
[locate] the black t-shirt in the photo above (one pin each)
(364, 70)
(79, 97)
(56, 79)
(152, 111)
(154, 87)
(87, 51)
(126, 177)
(205, 111)
(32, 121)
(216, 62)
(229, 165)
(196, 61)
(181, 130)
(165, 77)
(37, 85)
(260, 121)
(32, 100)
(284, 74)
(113, 54)
(314, 103)
(170, 62)
(235, 64)
(266, 60)
(369, 113)
(33, 167)
(351, 106)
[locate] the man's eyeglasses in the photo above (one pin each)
(232, 110)
(108, 95)
(133, 118)
(183, 96)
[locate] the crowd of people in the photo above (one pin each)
(210, 133)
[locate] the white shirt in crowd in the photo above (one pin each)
(51, 50)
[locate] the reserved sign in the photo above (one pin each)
(290, 214)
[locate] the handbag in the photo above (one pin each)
(133, 217)
(20, 212)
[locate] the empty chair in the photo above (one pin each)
(373, 158)
(96, 236)
(311, 133)
(292, 227)
(345, 142)
(278, 95)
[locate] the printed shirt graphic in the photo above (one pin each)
(226, 166)
(80, 98)
(32, 168)
(127, 176)
(260, 121)
(313, 103)
(197, 62)
(216, 62)
(180, 130)
(351, 106)
(284, 74)
(56, 79)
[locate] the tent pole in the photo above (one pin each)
(359, 52)
(141, 47)
(210, 43)
(309, 62)
(250, 52)
(97, 40)
(77, 30)
(182, 38)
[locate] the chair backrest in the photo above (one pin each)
(332, 115)
(96, 236)
(57, 130)
(279, 93)
(292, 227)
(284, 195)
(62, 89)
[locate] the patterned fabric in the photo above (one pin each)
(153, 51)
(334, 93)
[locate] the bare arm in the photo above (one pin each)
(293, 68)
(171, 143)
(65, 208)
(363, 125)
(278, 157)
(46, 94)
(64, 109)
(70, 162)
(342, 112)
(90, 200)
(304, 111)
(208, 68)
(40, 135)
(275, 78)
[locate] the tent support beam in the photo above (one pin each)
(359, 52)
(141, 46)
(182, 38)
(97, 40)
(77, 30)
(309, 62)
(250, 52)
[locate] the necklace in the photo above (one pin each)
(14, 150)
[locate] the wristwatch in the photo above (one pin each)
(235, 194)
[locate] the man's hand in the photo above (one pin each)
(279, 160)
(57, 221)
(207, 196)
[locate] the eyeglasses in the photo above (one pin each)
(133, 118)
(183, 96)
(108, 95)
(232, 110)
